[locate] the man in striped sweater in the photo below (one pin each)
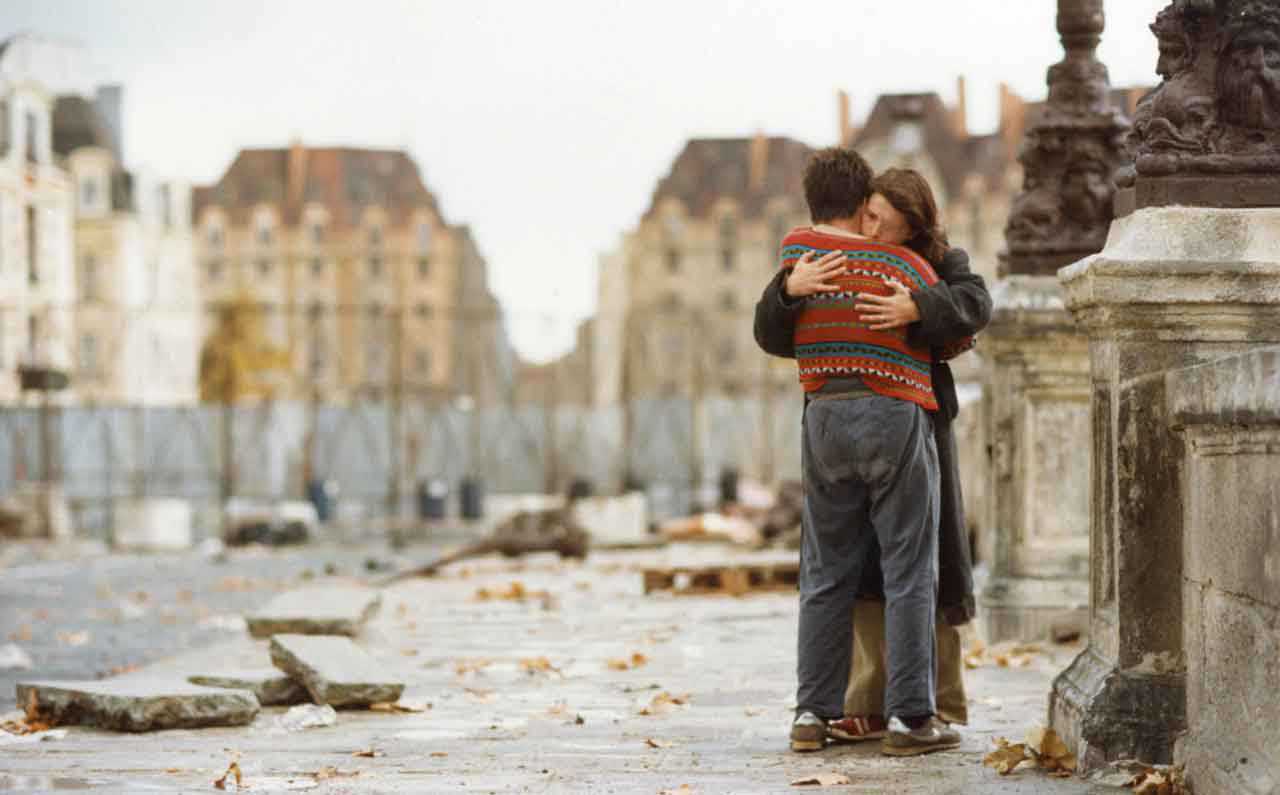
(870, 464)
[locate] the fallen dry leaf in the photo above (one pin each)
(22, 635)
(329, 771)
(370, 753)
(515, 592)
(1051, 752)
(538, 665)
(652, 743)
(74, 638)
(464, 667)
(439, 754)
(663, 703)
(1006, 757)
(683, 789)
(558, 709)
(823, 780)
(636, 660)
(1160, 781)
(399, 706)
(480, 695)
(233, 772)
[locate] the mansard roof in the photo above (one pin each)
(709, 169)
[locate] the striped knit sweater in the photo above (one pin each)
(830, 338)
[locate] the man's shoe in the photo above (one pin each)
(808, 733)
(857, 728)
(934, 735)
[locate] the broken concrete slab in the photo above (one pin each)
(272, 687)
(334, 670)
(139, 704)
(327, 610)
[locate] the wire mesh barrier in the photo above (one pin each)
(385, 409)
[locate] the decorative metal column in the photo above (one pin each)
(1037, 392)
(1189, 279)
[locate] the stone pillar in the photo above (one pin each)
(1176, 287)
(1038, 386)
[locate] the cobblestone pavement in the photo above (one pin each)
(540, 694)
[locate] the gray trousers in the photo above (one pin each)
(870, 470)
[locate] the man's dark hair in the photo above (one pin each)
(837, 182)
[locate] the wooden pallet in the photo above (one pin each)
(732, 580)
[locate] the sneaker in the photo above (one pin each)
(856, 728)
(808, 733)
(933, 736)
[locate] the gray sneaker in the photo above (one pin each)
(808, 733)
(933, 736)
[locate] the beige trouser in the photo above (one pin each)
(865, 693)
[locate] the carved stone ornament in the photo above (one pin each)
(1070, 157)
(1209, 135)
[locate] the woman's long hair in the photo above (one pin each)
(910, 194)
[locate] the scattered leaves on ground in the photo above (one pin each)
(31, 721)
(652, 743)
(515, 592)
(538, 665)
(664, 702)
(399, 706)
(1003, 655)
(480, 695)
(558, 709)
(464, 667)
(369, 753)
(233, 774)
(683, 789)
(329, 771)
(1160, 781)
(636, 660)
(823, 780)
(1043, 748)
(79, 638)
(23, 634)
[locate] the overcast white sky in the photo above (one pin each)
(545, 125)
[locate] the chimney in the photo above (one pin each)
(845, 118)
(107, 100)
(297, 175)
(961, 113)
(1013, 113)
(759, 161)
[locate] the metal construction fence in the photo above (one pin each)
(379, 454)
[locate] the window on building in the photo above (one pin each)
(424, 236)
(33, 246)
(424, 267)
(977, 228)
(33, 336)
(375, 267)
(88, 354)
(422, 310)
(316, 362)
(375, 235)
(317, 267)
(728, 352)
(164, 198)
(728, 301)
(89, 278)
(215, 236)
(264, 232)
(316, 232)
(778, 229)
(215, 269)
(728, 241)
(673, 259)
(33, 137)
(422, 361)
(264, 267)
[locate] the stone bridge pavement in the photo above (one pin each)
(523, 698)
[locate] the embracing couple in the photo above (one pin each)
(871, 302)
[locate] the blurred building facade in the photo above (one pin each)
(357, 284)
(37, 274)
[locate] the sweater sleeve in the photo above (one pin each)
(775, 321)
(955, 308)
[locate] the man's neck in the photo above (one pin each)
(842, 227)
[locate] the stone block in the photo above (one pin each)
(271, 687)
(334, 670)
(614, 520)
(152, 524)
(324, 610)
(139, 703)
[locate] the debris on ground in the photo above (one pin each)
(1160, 781)
(138, 703)
(400, 707)
(723, 580)
(329, 771)
(232, 774)
(823, 780)
(1043, 749)
(523, 533)
(319, 610)
(308, 716)
(662, 703)
(538, 665)
(515, 592)
(712, 527)
(652, 743)
(636, 660)
(1010, 654)
(334, 670)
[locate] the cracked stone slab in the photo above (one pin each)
(327, 610)
(140, 703)
(334, 670)
(272, 687)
